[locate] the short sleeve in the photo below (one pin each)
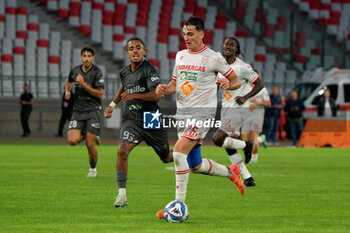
(175, 73)
(250, 74)
(153, 80)
(99, 80)
(71, 77)
(267, 97)
(264, 95)
(221, 66)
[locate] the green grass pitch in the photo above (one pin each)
(44, 189)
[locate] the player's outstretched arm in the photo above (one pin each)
(116, 100)
(234, 82)
(163, 89)
(97, 92)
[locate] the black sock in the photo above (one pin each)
(231, 151)
(93, 163)
(121, 179)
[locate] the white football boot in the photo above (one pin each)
(120, 201)
(92, 173)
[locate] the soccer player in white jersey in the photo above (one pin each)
(252, 125)
(194, 82)
(235, 109)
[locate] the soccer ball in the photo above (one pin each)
(176, 211)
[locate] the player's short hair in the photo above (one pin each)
(87, 49)
(195, 21)
(136, 38)
(238, 52)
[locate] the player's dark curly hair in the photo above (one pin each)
(136, 38)
(87, 49)
(238, 52)
(195, 21)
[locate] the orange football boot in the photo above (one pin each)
(236, 178)
(160, 214)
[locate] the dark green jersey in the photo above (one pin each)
(142, 80)
(83, 100)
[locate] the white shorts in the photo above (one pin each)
(232, 120)
(194, 125)
(254, 121)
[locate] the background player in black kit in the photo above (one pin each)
(89, 88)
(26, 101)
(139, 81)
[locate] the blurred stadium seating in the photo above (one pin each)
(30, 49)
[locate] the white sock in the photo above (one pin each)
(181, 175)
(210, 167)
(255, 156)
(231, 143)
(122, 192)
(237, 159)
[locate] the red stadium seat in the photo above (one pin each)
(300, 59)
(85, 29)
(43, 43)
(172, 55)
(260, 58)
(54, 60)
(154, 62)
(7, 58)
(241, 33)
(19, 50)
(208, 37)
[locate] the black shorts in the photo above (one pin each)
(156, 138)
(89, 121)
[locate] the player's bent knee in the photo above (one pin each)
(73, 141)
(167, 159)
(195, 169)
(123, 152)
(218, 139)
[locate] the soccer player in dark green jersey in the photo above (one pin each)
(139, 81)
(89, 87)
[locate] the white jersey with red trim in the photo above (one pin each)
(247, 75)
(262, 96)
(195, 75)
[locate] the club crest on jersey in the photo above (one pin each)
(205, 60)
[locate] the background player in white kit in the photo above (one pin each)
(194, 82)
(235, 109)
(252, 125)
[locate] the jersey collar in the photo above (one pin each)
(234, 61)
(198, 51)
(81, 68)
